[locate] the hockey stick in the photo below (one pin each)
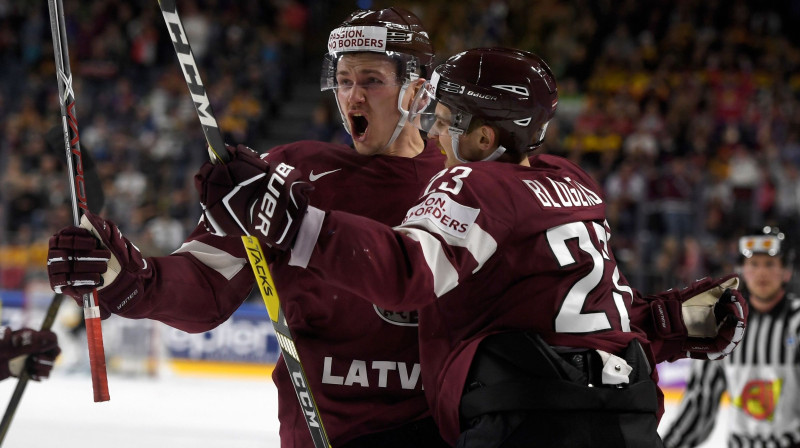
(96, 201)
(11, 409)
(254, 253)
(91, 312)
(290, 355)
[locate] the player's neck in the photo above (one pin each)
(408, 144)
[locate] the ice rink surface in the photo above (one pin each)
(168, 412)
(171, 412)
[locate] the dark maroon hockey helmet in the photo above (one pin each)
(513, 90)
(396, 32)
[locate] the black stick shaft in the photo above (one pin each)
(191, 73)
(11, 409)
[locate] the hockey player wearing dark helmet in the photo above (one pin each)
(762, 377)
(376, 61)
(510, 106)
(362, 362)
(528, 333)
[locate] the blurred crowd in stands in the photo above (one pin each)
(687, 112)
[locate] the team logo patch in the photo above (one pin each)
(759, 399)
(357, 38)
(398, 36)
(446, 214)
(446, 86)
(402, 318)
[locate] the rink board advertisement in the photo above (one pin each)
(246, 337)
(243, 344)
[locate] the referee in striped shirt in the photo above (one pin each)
(762, 376)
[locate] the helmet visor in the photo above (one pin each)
(328, 75)
(434, 117)
(363, 39)
(403, 70)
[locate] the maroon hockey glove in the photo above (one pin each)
(35, 351)
(246, 196)
(706, 320)
(96, 255)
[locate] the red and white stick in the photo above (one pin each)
(91, 312)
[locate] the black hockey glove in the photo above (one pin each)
(246, 196)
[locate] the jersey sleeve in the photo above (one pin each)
(665, 348)
(698, 410)
(198, 286)
(442, 240)
(466, 217)
(372, 260)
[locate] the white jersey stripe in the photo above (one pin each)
(445, 276)
(793, 350)
(226, 264)
(477, 241)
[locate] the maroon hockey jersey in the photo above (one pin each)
(362, 361)
(501, 247)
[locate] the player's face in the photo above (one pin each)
(367, 94)
(764, 276)
(440, 132)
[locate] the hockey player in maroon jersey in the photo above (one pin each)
(362, 361)
(529, 334)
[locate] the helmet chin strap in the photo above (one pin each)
(455, 137)
(403, 116)
(341, 114)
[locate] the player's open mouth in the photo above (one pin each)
(358, 125)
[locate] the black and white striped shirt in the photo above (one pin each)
(762, 378)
